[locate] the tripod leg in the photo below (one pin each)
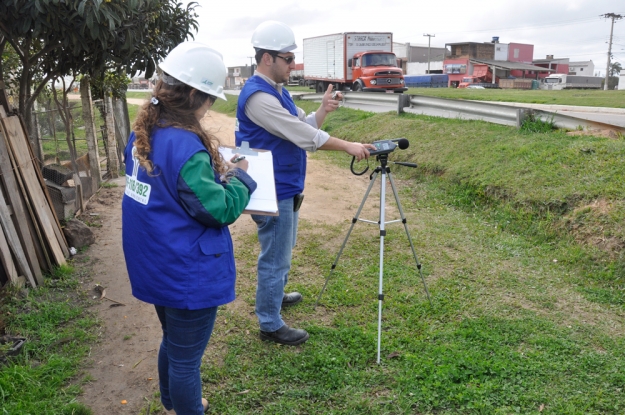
(381, 278)
(354, 220)
(403, 219)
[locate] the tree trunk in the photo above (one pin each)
(90, 134)
(113, 161)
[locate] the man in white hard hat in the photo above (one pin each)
(268, 119)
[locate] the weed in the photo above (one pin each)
(109, 185)
(92, 224)
(533, 125)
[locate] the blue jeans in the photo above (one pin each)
(185, 336)
(277, 236)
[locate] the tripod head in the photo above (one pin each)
(382, 149)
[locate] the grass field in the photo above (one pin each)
(591, 98)
(522, 241)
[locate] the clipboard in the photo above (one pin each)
(264, 200)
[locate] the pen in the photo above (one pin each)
(238, 159)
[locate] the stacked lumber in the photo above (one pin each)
(31, 241)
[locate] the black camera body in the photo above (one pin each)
(388, 146)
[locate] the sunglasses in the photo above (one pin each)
(287, 59)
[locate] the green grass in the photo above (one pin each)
(132, 113)
(137, 94)
(45, 378)
(228, 107)
(520, 235)
(513, 230)
(501, 336)
(300, 89)
(593, 98)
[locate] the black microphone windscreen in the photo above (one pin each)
(403, 143)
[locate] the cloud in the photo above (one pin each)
(292, 15)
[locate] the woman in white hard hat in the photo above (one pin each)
(180, 198)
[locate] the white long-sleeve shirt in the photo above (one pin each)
(266, 111)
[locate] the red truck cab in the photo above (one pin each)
(468, 80)
(376, 71)
(481, 76)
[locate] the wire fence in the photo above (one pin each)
(54, 135)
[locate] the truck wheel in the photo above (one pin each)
(320, 88)
(357, 86)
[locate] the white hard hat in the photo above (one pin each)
(197, 65)
(273, 35)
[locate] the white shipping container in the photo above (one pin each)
(326, 57)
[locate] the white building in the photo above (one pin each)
(585, 68)
(621, 82)
(415, 58)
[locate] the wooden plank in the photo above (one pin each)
(17, 142)
(14, 198)
(14, 242)
(7, 260)
(33, 224)
(57, 229)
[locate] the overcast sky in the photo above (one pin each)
(563, 28)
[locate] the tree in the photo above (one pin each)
(615, 68)
(55, 38)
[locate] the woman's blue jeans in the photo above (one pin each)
(185, 336)
(277, 236)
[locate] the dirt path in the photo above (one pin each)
(123, 364)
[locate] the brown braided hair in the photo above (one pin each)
(175, 108)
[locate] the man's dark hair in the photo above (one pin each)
(261, 52)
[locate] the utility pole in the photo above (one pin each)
(429, 40)
(251, 66)
(613, 16)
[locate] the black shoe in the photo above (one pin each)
(285, 335)
(291, 299)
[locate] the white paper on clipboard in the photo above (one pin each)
(260, 168)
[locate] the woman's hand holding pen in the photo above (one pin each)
(238, 161)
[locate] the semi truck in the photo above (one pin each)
(358, 61)
(562, 81)
(297, 75)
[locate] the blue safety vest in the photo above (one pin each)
(289, 161)
(172, 259)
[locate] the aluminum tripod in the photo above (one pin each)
(385, 171)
